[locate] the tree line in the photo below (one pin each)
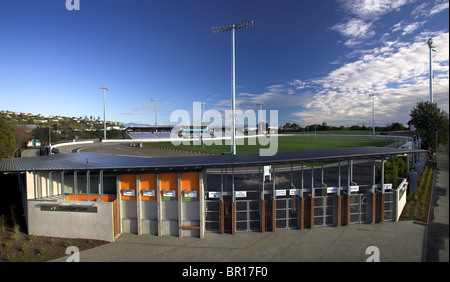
(288, 127)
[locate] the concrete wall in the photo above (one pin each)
(400, 196)
(62, 224)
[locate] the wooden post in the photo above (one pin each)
(349, 200)
(222, 218)
(274, 215)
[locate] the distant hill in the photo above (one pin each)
(135, 124)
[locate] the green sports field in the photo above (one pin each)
(283, 143)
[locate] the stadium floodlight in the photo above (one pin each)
(432, 48)
(260, 117)
(203, 111)
(156, 110)
(373, 110)
(226, 28)
(104, 110)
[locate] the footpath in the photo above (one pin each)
(436, 236)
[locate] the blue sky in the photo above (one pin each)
(313, 61)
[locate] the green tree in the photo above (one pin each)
(394, 169)
(429, 119)
(41, 134)
(7, 141)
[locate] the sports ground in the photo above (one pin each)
(284, 143)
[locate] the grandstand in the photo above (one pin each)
(149, 132)
(195, 131)
(187, 132)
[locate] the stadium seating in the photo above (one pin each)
(142, 135)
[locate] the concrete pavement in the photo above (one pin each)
(437, 229)
(401, 241)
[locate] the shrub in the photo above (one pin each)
(394, 168)
(42, 250)
(10, 257)
(25, 247)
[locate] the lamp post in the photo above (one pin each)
(432, 48)
(156, 110)
(203, 111)
(373, 111)
(232, 28)
(104, 110)
(260, 117)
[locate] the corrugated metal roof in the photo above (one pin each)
(95, 161)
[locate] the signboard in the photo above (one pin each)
(387, 186)
(267, 171)
(148, 193)
(68, 208)
(214, 195)
(128, 192)
(331, 190)
(280, 192)
(294, 192)
(240, 194)
(169, 193)
(354, 188)
(190, 194)
(190, 199)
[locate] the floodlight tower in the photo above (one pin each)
(373, 110)
(432, 48)
(260, 117)
(232, 28)
(104, 110)
(156, 110)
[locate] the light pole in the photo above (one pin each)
(104, 110)
(232, 28)
(373, 111)
(432, 48)
(156, 110)
(260, 118)
(203, 111)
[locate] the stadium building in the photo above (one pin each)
(148, 132)
(100, 196)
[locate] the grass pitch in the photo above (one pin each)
(283, 144)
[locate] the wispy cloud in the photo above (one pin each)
(397, 70)
(353, 30)
(361, 17)
(371, 9)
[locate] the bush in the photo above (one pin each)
(394, 169)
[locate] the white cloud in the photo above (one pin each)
(353, 30)
(411, 27)
(372, 8)
(399, 71)
(438, 8)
